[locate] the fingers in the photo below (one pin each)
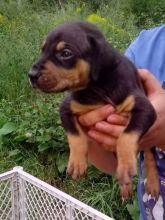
(102, 138)
(109, 129)
(91, 118)
(149, 81)
(106, 133)
(104, 113)
(117, 119)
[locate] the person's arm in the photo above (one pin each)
(97, 154)
(102, 159)
(105, 127)
(156, 134)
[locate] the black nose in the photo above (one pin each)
(33, 75)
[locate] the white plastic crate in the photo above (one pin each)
(24, 197)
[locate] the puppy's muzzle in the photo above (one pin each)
(34, 75)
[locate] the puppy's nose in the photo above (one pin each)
(33, 75)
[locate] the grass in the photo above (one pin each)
(30, 130)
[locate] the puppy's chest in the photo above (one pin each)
(87, 100)
(85, 104)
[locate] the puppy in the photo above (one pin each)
(76, 57)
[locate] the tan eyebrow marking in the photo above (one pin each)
(61, 45)
(43, 44)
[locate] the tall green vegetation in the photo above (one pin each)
(30, 129)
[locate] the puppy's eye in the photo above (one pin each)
(66, 54)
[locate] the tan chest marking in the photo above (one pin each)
(126, 106)
(80, 109)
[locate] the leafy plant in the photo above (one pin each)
(148, 12)
(6, 129)
(133, 210)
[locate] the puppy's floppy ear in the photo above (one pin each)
(99, 55)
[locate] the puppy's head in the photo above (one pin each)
(71, 57)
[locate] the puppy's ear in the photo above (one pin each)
(99, 55)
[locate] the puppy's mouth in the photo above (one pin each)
(44, 84)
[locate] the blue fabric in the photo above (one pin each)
(148, 52)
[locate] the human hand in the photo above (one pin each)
(97, 153)
(105, 126)
(156, 95)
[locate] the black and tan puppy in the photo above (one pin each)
(77, 58)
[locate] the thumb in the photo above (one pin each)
(149, 82)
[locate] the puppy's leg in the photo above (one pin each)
(78, 145)
(142, 117)
(152, 185)
(78, 141)
(126, 169)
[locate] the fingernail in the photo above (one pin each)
(109, 108)
(111, 119)
(101, 125)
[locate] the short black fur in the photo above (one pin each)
(112, 76)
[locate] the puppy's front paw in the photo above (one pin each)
(125, 173)
(153, 187)
(126, 191)
(77, 167)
